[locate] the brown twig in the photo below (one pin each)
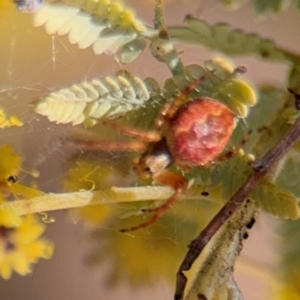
(260, 169)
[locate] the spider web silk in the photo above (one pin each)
(32, 65)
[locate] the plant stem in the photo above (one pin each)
(51, 201)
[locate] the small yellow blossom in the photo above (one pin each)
(20, 243)
(10, 121)
(10, 163)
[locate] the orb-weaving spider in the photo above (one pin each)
(192, 134)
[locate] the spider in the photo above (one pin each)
(190, 134)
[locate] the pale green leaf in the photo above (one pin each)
(276, 200)
(132, 50)
(112, 40)
(106, 26)
(101, 98)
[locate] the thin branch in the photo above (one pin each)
(260, 169)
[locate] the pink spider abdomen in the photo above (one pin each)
(199, 131)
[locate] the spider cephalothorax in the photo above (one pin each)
(154, 161)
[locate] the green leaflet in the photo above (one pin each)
(278, 107)
(226, 177)
(232, 4)
(235, 172)
(229, 41)
(269, 119)
(268, 108)
(294, 78)
(261, 7)
(274, 6)
(275, 200)
(289, 175)
(220, 81)
(100, 98)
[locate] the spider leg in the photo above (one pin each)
(134, 146)
(170, 108)
(177, 102)
(234, 150)
(170, 179)
(147, 136)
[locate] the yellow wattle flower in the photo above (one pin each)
(20, 244)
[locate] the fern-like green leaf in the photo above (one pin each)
(90, 101)
(275, 200)
(105, 25)
(232, 42)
